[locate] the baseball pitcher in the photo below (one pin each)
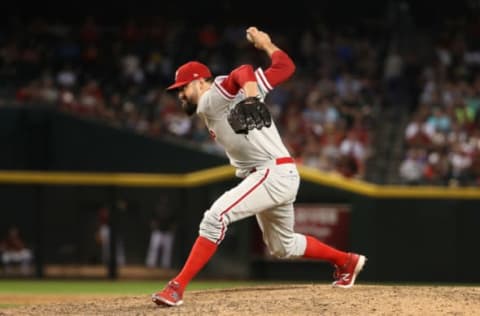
(233, 109)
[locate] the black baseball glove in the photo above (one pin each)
(248, 114)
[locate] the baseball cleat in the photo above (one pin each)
(171, 295)
(345, 276)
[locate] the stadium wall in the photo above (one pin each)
(39, 138)
(58, 170)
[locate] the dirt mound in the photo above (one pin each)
(269, 300)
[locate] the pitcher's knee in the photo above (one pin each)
(279, 253)
(213, 226)
(282, 251)
(287, 248)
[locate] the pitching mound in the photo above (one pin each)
(272, 300)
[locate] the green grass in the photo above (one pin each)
(127, 287)
(9, 305)
(106, 287)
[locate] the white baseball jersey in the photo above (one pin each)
(244, 151)
(269, 192)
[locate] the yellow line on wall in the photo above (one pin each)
(337, 181)
(387, 191)
(226, 172)
(117, 179)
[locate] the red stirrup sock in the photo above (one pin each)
(202, 250)
(318, 250)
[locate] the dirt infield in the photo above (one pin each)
(269, 300)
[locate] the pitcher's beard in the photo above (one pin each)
(189, 108)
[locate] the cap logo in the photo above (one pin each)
(176, 75)
(195, 74)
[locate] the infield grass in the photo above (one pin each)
(107, 286)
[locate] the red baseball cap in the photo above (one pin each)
(189, 72)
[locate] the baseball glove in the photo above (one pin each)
(248, 114)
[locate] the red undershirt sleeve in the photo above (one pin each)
(281, 68)
(237, 78)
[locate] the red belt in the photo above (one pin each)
(279, 161)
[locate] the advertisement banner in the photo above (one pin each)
(330, 223)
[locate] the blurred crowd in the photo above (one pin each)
(116, 72)
(442, 137)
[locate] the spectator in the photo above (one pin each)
(354, 152)
(161, 236)
(15, 252)
(412, 167)
(102, 237)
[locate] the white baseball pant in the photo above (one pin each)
(268, 193)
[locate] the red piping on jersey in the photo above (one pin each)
(263, 80)
(222, 233)
(223, 92)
